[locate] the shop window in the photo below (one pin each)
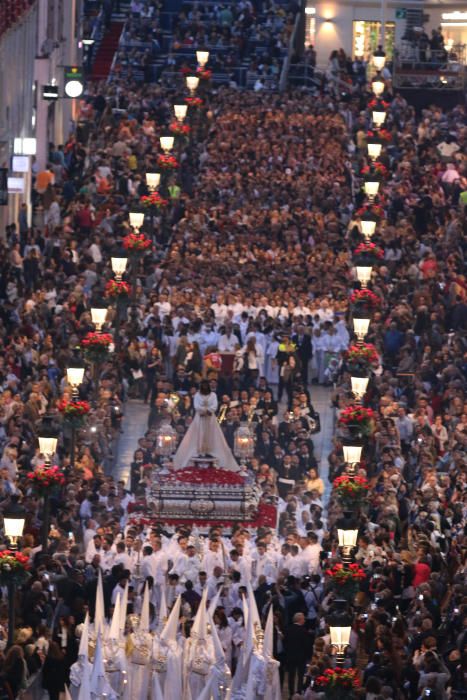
(366, 37)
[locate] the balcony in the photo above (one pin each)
(416, 69)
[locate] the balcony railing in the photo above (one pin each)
(422, 69)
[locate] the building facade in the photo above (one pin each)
(37, 39)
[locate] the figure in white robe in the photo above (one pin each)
(205, 436)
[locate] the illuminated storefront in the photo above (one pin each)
(367, 37)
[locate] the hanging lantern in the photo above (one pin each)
(74, 377)
(167, 143)
(379, 59)
(14, 517)
(136, 219)
(363, 274)
(98, 317)
(368, 225)
(202, 57)
(352, 453)
(374, 147)
(359, 386)
(244, 443)
(180, 112)
(347, 535)
(166, 440)
(118, 267)
(340, 627)
(378, 85)
(47, 439)
(360, 327)
(378, 117)
(371, 187)
(153, 181)
(192, 82)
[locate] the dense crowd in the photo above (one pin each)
(251, 291)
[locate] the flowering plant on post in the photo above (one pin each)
(153, 200)
(338, 682)
(351, 490)
(13, 568)
(167, 162)
(364, 299)
(367, 254)
(136, 243)
(345, 580)
(359, 420)
(179, 129)
(194, 101)
(116, 290)
(45, 478)
(74, 412)
(96, 346)
(204, 73)
(361, 358)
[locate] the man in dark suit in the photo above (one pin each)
(298, 645)
(304, 351)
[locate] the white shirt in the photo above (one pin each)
(227, 343)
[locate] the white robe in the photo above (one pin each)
(205, 436)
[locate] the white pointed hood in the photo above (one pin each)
(114, 632)
(144, 620)
(123, 608)
(85, 687)
(218, 649)
(214, 603)
(200, 625)
(163, 612)
(98, 677)
(157, 693)
(84, 641)
(169, 633)
(99, 617)
(268, 648)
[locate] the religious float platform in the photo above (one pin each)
(203, 494)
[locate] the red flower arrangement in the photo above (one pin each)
(375, 169)
(179, 129)
(341, 575)
(372, 104)
(204, 73)
(153, 200)
(135, 242)
(74, 408)
(370, 210)
(353, 487)
(186, 70)
(43, 478)
(338, 681)
(369, 249)
(113, 288)
(97, 340)
(167, 162)
(211, 475)
(194, 101)
(364, 354)
(356, 414)
(385, 135)
(365, 296)
(13, 567)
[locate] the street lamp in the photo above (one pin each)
(360, 327)
(98, 317)
(74, 377)
(368, 225)
(363, 274)
(14, 517)
(180, 112)
(352, 456)
(379, 59)
(374, 147)
(47, 438)
(340, 626)
(136, 219)
(202, 57)
(192, 82)
(378, 85)
(347, 535)
(359, 386)
(119, 266)
(378, 115)
(371, 187)
(153, 180)
(167, 143)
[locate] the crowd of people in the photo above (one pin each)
(251, 292)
